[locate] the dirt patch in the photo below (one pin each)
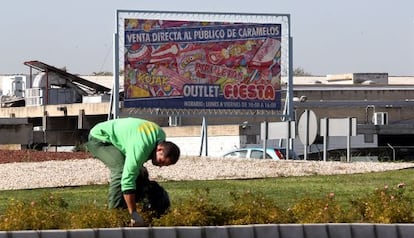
(14, 156)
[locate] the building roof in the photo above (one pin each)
(81, 82)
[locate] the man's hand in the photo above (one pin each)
(136, 219)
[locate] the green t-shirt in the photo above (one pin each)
(135, 138)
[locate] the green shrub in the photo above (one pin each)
(245, 208)
(47, 213)
(385, 205)
(324, 210)
(93, 216)
(198, 210)
(80, 147)
(250, 208)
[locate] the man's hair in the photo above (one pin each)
(171, 151)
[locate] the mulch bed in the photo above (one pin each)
(11, 156)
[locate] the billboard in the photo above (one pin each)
(201, 64)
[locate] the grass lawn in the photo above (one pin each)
(286, 191)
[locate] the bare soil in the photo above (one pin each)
(14, 156)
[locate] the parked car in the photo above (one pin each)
(292, 154)
(255, 153)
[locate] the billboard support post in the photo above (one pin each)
(114, 99)
(289, 95)
(204, 136)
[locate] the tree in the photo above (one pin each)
(300, 72)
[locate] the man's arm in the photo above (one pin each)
(136, 219)
(130, 202)
(128, 185)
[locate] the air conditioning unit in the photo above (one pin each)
(174, 121)
(380, 118)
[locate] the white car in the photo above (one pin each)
(255, 153)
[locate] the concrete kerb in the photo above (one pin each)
(328, 230)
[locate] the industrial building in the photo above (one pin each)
(53, 108)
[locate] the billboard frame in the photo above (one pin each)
(286, 64)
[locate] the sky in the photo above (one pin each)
(329, 36)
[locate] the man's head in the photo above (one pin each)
(166, 153)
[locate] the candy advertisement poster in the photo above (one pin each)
(201, 65)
